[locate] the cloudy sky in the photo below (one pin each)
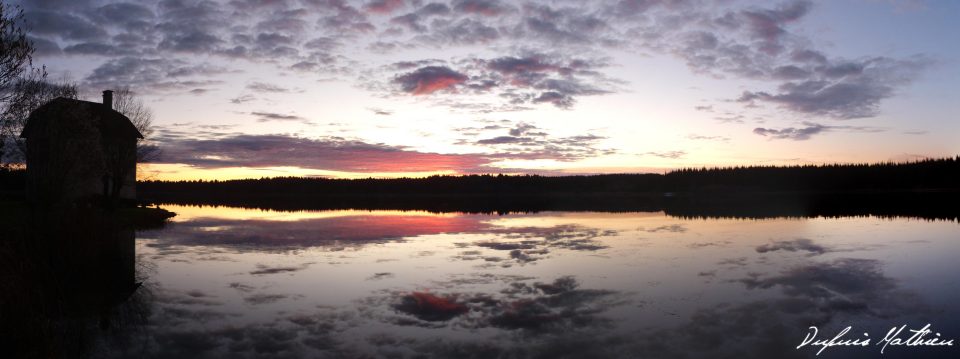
(253, 88)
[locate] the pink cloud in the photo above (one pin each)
(383, 6)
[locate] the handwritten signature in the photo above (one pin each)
(897, 336)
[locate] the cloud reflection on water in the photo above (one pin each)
(529, 286)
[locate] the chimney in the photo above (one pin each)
(108, 99)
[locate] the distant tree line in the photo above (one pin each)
(923, 189)
(927, 174)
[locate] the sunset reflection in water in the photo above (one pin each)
(242, 282)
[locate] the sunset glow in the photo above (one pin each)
(356, 89)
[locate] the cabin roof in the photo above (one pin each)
(111, 123)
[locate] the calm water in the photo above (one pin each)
(227, 282)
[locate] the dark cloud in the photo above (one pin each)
(57, 4)
(267, 46)
(536, 309)
(278, 339)
(194, 297)
(44, 47)
(756, 43)
(480, 7)
(323, 43)
(269, 40)
(796, 134)
(529, 79)
(829, 295)
(267, 88)
(526, 141)
(191, 27)
(241, 99)
(844, 285)
(332, 153)
(557, 316)
(411, 21)
(526, 129)
(265, 269)
(380, 111)
(151, 74)
(465, 31)
(804, 133)
(130, 70)
(263, 298)
(286, 22)
(808, 56)
(553, 97)
(565, 26)
(558, 305)
(554, 81)
(531, 244)
(434, 8)
(64, 25)
(799, 244)
(545, 39)
(766, 25)
(381, 275)
(202, 69)
(672, 228)
(430, 79)
(96, 48)
(129, 16)
(345, 19)
(667, 154)
(845, 91)
(270, 116)
(499, 140)
(241, 287)
(709, 138)
(383, 6)
(214, 148)
(306, 66)
(351, 231)
(430, 307)
(790, 72)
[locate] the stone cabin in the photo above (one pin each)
(80, 150)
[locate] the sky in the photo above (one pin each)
(388, 88)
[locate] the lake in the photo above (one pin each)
(231, 282)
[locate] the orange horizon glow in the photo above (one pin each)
(182, 172)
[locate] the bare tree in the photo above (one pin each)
(26, 94)
(15, 49)
(15, 56)
(125, 101)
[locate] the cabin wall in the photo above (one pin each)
(67, 164)
(129, 189)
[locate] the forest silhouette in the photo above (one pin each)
(926, 188)
(927, 174)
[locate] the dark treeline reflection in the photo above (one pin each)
(69, 284)
(924, 205)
